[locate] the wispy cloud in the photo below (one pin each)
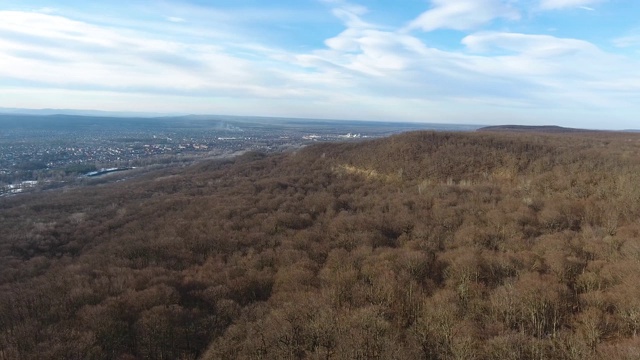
(463, 14)
(562, 4)
(539, 46)
(627, 41)
(100, 57)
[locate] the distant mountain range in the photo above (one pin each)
(16, 111)
(289, 121)
(96, 117)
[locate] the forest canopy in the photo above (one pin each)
(423, 245)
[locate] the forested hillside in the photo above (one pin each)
(419, 246)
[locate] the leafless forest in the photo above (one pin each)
(423, 245)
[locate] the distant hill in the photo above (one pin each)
(538, 129)
(90, 113)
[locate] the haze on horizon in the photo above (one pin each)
(572, 63)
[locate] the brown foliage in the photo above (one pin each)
(420, 246)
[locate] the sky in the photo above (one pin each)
(572, 63)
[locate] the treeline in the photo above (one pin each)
(419, 246)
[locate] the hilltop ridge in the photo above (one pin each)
(534, 128)
(419, 245)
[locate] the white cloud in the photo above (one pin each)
(561, 4)
(502, 73)
(463, 14)
(568, 73)
(58, 52)
(175, 19)
(539, 46)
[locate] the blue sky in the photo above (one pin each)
(567, 62)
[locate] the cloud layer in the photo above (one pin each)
(366, 70)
